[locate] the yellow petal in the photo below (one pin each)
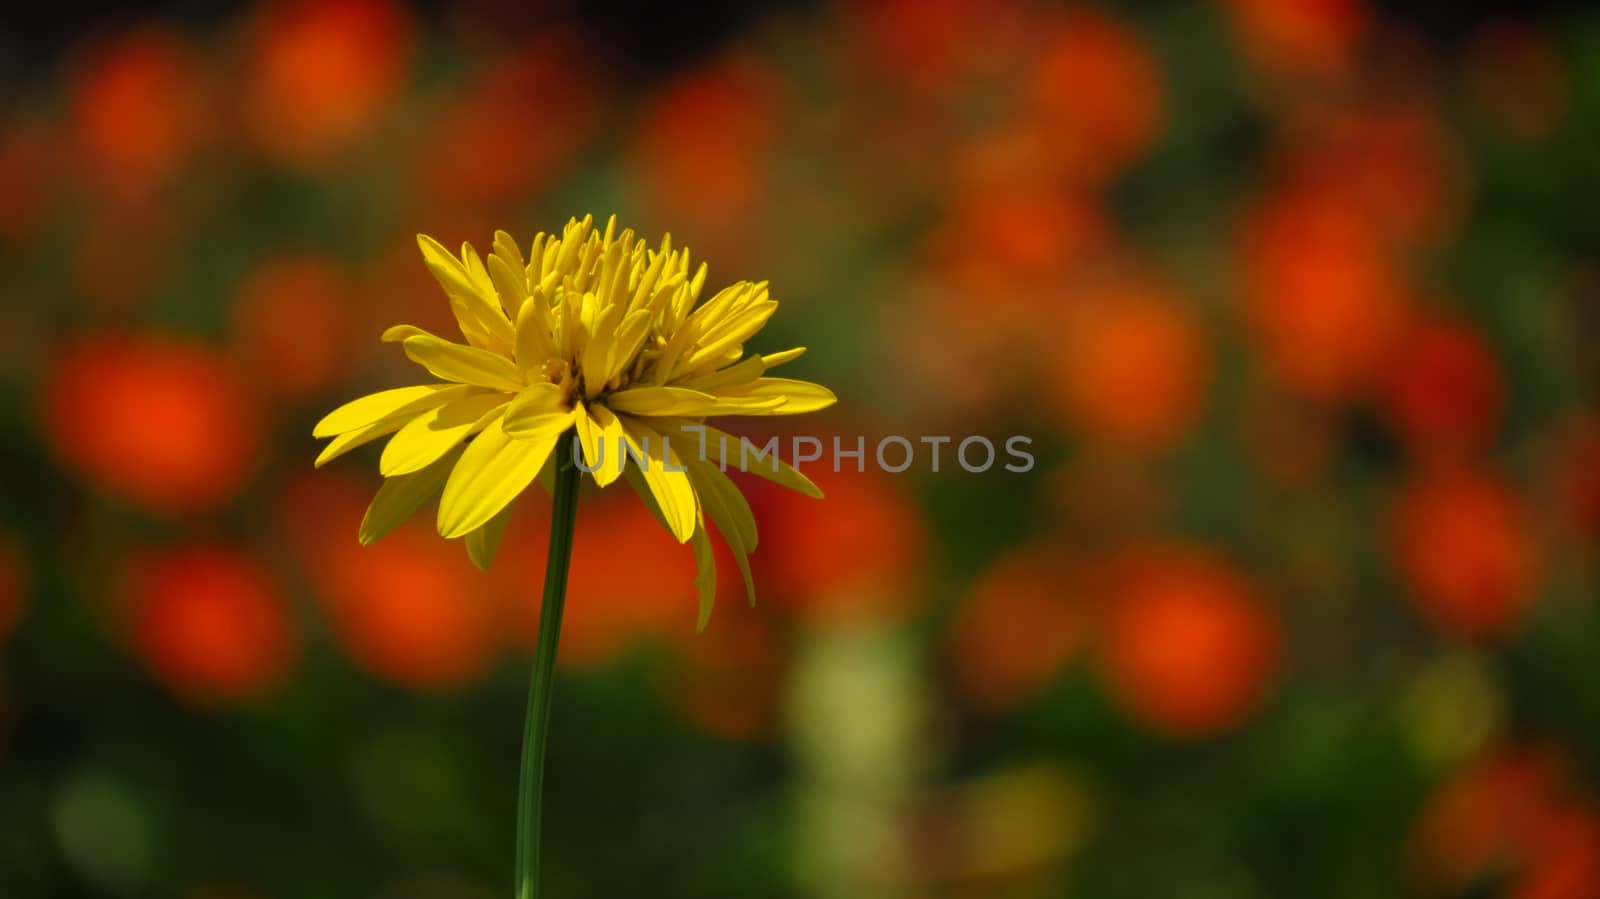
(402, 496)
(530, 424)
(535, 342)
(446, 268)
(477, 309)
(349, 440)
(463, 364)
(799, 396)
(482, 543)
(482, 284)
(730, 512)
(539, 411)
(597, 354)
(511, 283)
(433, 433)
(679, 402)
(600, 432)
(491, 472)
(723, 449)
(505, 246)
(398, 333)
(713, 346)
(705, 577)
(742, 372)
(664, 474)
(631, 335)
(773, 360)
(363, 411)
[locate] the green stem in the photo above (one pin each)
(562, 515)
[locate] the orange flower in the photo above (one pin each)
(1321, 292)
(315, 512)
(1133, 368)
(291, 321)
(851, 559)
(1301, 37)
(1188, 649)
(610, 607)
(1563, 856)
(1509, 815)
(13, 583)
(702, 149)
(1445, 391)
(405, 610)
(1096, 90)
(1010, 239)
(1463, 547)
(320, 73)
(156, 420)
(137, 110)
(924, 45)
(1018, 626)
(1389, 159)
(210, 623)
(496, 142)
(410, 609)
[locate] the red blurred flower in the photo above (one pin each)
(1017, 627)
(1463, 546)
(1321, 292)
(318, 515)
(926, 45)
(1517, 80)
(1004, 240)
(320, 73)
(610, 606)
(849, 558)
(1509, 816)
(1390, 158)
(138, 109)
(702, 150)
(519, 122)
(210, 623)
(1097, 92)
(154, 419)
(1445, 391)
(1188, 648)
(1563, 856)
(13, 583)
(1133, 368)
(1300, 37)
(291, 323)
(411, 608)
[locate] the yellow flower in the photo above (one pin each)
(594, 334)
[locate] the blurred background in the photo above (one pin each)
(1298, 301)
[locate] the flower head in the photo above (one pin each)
(594, 334)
